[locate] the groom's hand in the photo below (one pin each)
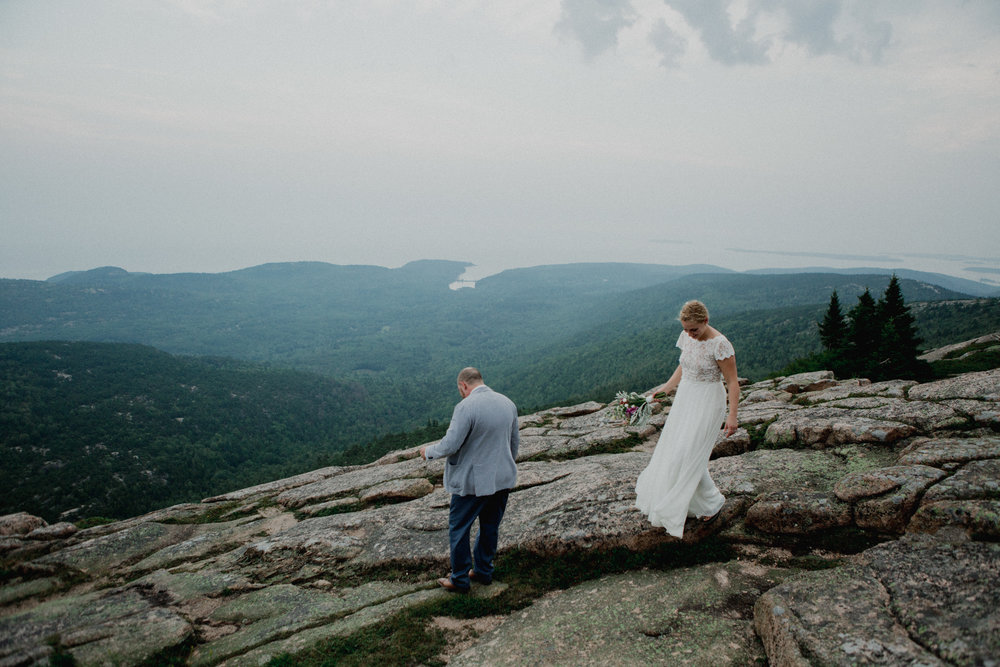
(423, 452)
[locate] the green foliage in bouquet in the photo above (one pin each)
(632, 408)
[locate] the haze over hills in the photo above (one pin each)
(404, 325)
(963, 285)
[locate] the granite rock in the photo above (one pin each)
(828, 466)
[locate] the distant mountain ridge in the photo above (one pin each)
(403, 332)
(624, 274)
(970, 287)
(369, 323)
(100, 272)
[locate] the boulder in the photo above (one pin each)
(979, 519)
(891, 511)
(795, 513)
(56, 531)
(981, 386)
(19, 523)
(949, 350)
(763, 396)
(942, 451)
(827, 426)
(104, 555)
(806, 382)
(979, 413)
(925, 416)
(738, 443)
(976, 480)
(917, 600)
(541, 445)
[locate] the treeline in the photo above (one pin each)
(877, 340)
(119, 429)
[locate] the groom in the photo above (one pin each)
(481, 445)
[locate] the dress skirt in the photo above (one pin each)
(676, 483)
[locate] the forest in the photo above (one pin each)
(116, 429)
(124, 393)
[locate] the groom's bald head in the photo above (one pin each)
(470, 375)
(468, 379)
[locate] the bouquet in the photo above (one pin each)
(632, 408)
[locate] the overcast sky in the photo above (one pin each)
(196, 135)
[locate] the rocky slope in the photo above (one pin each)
(862, 526)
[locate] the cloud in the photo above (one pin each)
(595, 23)
(727, 42)
(815, 26)
(668, 43)
(821, 255)
(811, 25)
(754, 31)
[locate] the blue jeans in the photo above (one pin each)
(463, 513)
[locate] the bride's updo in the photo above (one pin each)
(694, 311)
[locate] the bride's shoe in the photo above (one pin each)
(709, 519)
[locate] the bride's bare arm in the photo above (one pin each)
(728, 368)
(669, 385)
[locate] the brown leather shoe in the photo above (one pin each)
(449, 585)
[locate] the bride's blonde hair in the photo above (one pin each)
(693, 311)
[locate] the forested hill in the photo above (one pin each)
(768, 325)
(120, 429)
(403, 333)
(340, 320)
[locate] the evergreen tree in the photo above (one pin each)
(864, 339)
(833, 328)
(899, 343)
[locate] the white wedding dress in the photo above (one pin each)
(676, 483)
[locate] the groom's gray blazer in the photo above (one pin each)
(481, 445)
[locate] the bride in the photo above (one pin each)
(676, 483)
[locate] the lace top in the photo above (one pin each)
(698, 357)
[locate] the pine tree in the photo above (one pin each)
(833, 328)
(864, 338)
(899, 343)
(877, 341)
